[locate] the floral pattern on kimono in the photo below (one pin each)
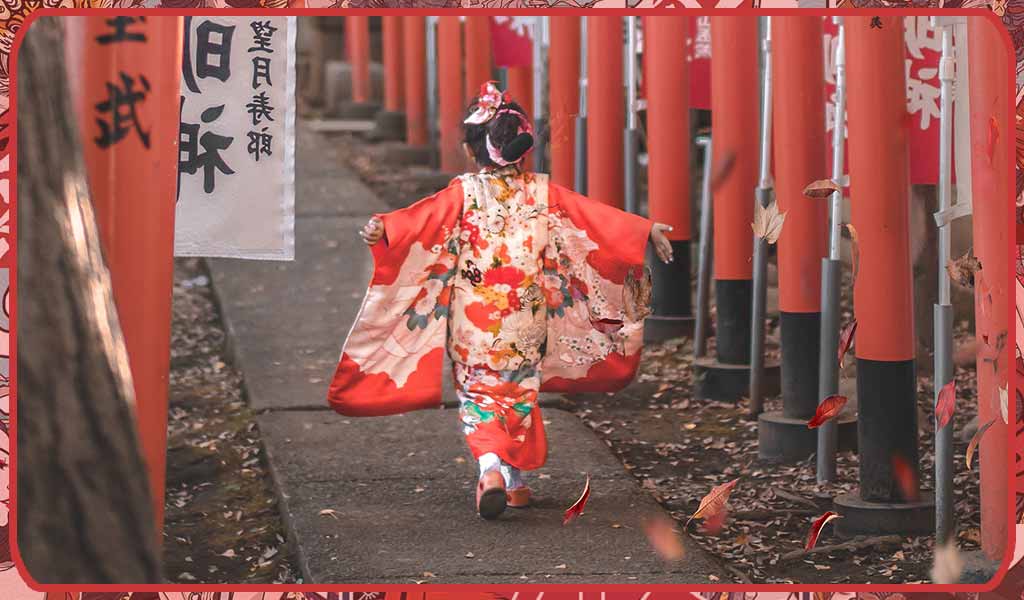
(525, 284)
(392, 358)
(498, 321)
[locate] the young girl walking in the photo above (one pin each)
(527, 286)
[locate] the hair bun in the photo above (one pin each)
(517, 147)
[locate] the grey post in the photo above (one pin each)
(943, 317)
(763, 196)
(700, 331)
(539, 72)
(580, 175)
(432, 133)
(631, 137)
(832, 274)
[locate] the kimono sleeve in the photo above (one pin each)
(391, 361)
(594, 252)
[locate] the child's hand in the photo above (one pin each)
(372, 231)
(662, 247)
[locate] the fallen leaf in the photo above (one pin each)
(576, 509)
(962, 270)
(713, 524)
(470, 555)
(428, 574)
(855, 250)
(768, 222)
(664, 538)
(846, 340)
(714, 501)
(822, 188)
(947, 565)
(562, 566)
(329, 512)
(906, 478)
(227, 554)
(828, 409)
(945, 404)
(721, 171)
(975, 440)
(819, 523)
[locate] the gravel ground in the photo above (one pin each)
(679, 449)
(223, 524)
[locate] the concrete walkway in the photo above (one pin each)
(390, 500)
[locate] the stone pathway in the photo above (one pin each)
(390, 500)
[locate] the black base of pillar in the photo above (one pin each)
(887, 426)
(733, 299)
(672, 292)
(390, 126)
(884, 518)
(723, 382)
(360, 111)
(671, 305)
(787, 440)
(801, 344)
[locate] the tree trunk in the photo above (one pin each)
(84, 513)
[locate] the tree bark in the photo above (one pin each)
(83, 507)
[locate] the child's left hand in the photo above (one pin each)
(662, 247)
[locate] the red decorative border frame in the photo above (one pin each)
(18, 14)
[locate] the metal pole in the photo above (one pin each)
(431, 24)
(838, 143)
(703, 317)
(631, 137)
(580, 174)
(538, 92)
(943, 319)
(831, 273)
(763, 196)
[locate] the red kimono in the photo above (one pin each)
(526, 285)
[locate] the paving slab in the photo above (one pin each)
(315, 446)
(286, 321)
(324, 184)
(402, 505)
(341, 125)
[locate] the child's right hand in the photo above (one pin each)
(372, 231)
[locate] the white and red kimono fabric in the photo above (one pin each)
(526, 285)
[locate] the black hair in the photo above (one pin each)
(504, 132)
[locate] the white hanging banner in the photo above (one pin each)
(236, 169)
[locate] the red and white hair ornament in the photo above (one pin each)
(487, 104)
